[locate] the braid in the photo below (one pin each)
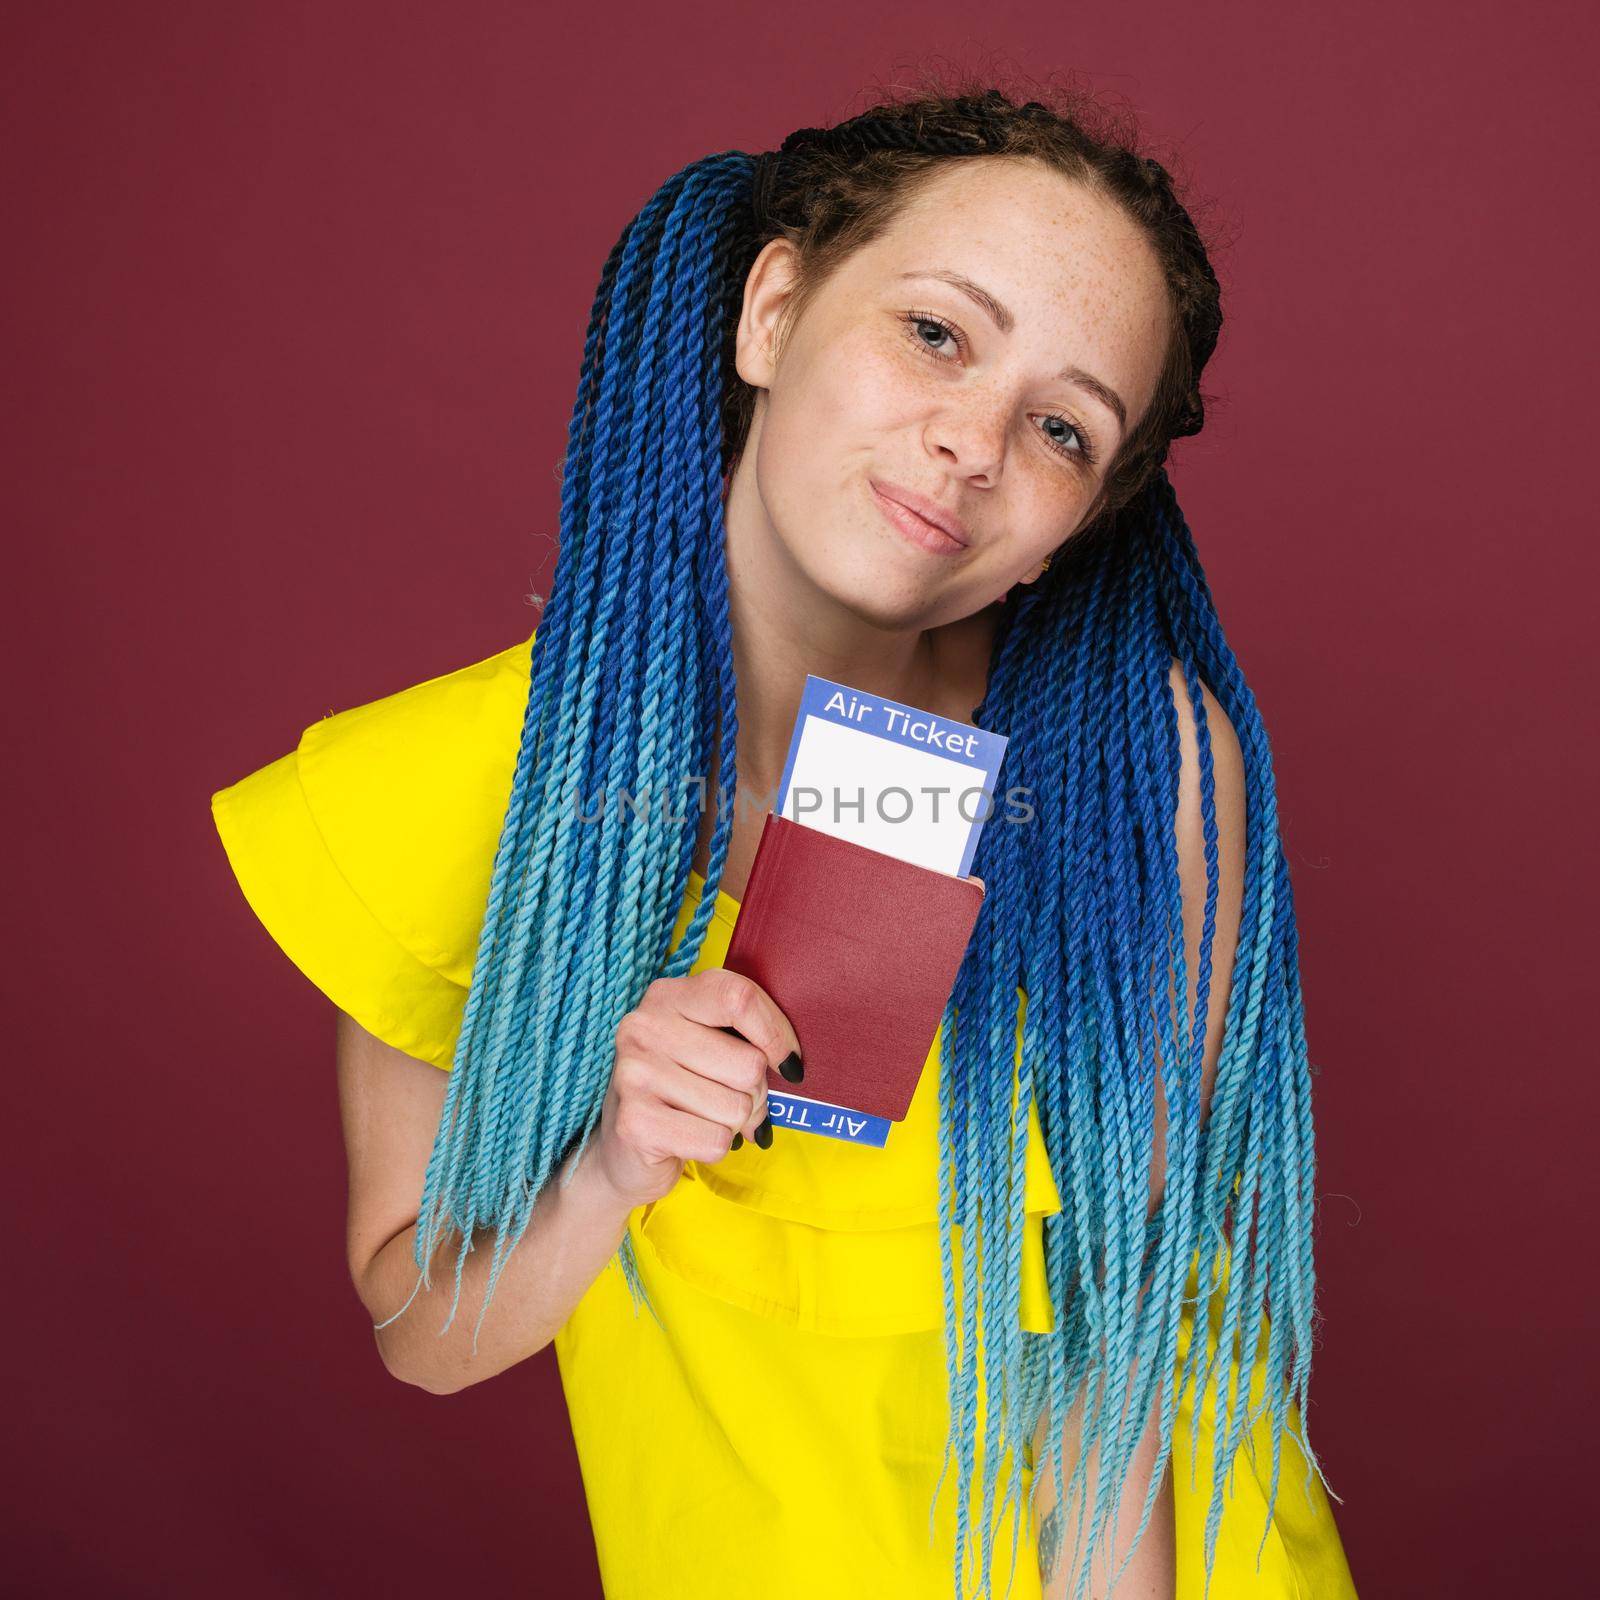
(1091, 894)
(630, 681)
(1061, 999)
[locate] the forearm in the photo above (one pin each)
(1152, 1572)
(572, 1233)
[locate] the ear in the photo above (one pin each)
(1035, 573)
(767, 290)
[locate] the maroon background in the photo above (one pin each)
(294, 303)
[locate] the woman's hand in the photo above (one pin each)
(689, 1074)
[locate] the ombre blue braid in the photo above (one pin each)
(1084, 914)
(630, 685)
(1079, 944)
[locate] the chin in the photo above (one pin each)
(880, 592)
(871, 572)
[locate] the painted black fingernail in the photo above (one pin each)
(764, 1132)
(738, 1139)
(792, 1068)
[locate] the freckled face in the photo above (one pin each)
(895, 380)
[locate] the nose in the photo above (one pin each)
(971, 437)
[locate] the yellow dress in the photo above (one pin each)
(781, 1428)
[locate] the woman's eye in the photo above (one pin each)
(941, 330)
(1072, 431)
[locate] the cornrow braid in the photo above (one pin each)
(632, 687)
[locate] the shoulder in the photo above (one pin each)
(1194, 878)
(1194, 875)
(1228, 776)
(409, 792)
(367, 849)
(460, 714)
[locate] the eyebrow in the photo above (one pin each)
(1005, 322)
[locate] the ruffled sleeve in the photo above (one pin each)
(366, 850)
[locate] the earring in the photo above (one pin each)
(1047, 560)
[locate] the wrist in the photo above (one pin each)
(591, 1177)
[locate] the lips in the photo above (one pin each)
(946, 521)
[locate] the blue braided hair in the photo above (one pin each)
(632, 689)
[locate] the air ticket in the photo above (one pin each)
(890, 776)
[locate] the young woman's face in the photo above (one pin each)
(897, 381)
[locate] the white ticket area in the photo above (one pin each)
(914, 804)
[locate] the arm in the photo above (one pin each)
(681, 1087)
(1151, 1574)
(390, 1105)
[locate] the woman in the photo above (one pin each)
(889, 406)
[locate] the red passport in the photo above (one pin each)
(860, 951)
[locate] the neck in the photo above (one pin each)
(784, 627)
